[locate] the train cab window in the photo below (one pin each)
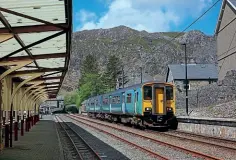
(169, 93)
(147, 92)
(128, 99)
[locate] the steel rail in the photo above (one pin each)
(205, 136)
(86, 144)
(198, 154)
(193, 140)
(124, 140)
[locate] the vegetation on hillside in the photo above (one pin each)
(114, 73)
(72, 109)
(93, 82)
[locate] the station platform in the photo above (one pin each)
(40, 143)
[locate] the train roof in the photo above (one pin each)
(127, 88)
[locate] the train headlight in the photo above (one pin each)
(169, 109)
(148, 108)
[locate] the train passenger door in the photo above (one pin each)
(123, 102)
(159, 100)
(110, 101)
(135, 101)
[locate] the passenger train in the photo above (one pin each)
(149, 104)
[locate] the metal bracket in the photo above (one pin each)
(19, 64)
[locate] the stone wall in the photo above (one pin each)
(210, 95)
(210, 130)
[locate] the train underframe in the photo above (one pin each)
(148, 120)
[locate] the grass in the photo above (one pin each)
(105, 40)
(172, 34)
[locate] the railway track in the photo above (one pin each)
(206, 140)
(218, 139)
(202, 140)
(154, 154)
(187, 151)
(79, 148)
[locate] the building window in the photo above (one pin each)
(128, 99)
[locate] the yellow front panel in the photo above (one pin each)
(159, 100)
(171, 103)
(147, 103)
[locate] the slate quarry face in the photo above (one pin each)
(151, 51)
(219, 98)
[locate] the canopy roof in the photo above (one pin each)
(39, 30)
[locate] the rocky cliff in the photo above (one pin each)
(151, 51)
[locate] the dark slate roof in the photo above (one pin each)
(195, 71)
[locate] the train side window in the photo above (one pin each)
(118, 99)
(137, 96)
(169, 93)
(123, 98)
(128, 99)
(105, 100)
(147, 92)
(113, 99)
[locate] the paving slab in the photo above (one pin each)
(40, 143)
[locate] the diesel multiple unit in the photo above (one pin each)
(148, 104)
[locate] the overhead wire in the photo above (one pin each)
(220, 32)
(179, 34)
(226, 25)
(228, 51)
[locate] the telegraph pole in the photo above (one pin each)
(123, 76)
(141, 74)
(186, 78)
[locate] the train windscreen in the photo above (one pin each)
(147, 92)
(169, 93)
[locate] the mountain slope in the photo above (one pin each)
(151, 51)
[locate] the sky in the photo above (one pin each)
(148, 15)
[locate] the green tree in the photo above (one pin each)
(70, 98)
(113, 73)
(89, 66)
(92, 86)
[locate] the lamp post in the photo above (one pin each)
(186, 78)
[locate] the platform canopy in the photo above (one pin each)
(40, 31)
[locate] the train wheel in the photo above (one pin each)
(173, 123)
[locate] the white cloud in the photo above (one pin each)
(84, 16)
(149, 15)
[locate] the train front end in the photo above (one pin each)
(159, 105)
